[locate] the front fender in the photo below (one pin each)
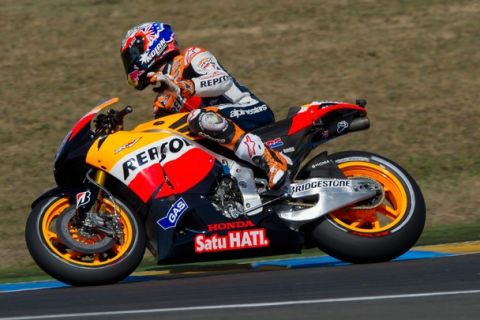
(63, 191)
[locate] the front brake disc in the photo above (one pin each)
(81, 243)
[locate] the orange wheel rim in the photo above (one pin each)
(48, 225)
(382, 218)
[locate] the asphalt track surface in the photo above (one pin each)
(438, 288)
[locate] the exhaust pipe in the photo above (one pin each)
(359, 124)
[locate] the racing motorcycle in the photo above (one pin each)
(187, 199)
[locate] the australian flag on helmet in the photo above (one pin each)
(144, 48)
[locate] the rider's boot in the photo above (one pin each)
(251, 148)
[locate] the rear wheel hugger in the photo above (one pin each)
(371, 242)
(80, 274)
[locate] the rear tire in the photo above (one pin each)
(373, 235)
(80, 269)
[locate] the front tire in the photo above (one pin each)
(77, 268)
(377, 234)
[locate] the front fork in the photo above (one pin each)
(99, 179)
(100, 206)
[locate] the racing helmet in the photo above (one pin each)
(144, 48)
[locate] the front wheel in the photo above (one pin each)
(365, 234)
(87, 257)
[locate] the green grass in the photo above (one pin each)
(449, 234)
(416, 62)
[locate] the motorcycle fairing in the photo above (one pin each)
(86, 119)
(199, 210)
(175, 240)
(309, 114)
(331, 119)
(144, 161)
(178, 244)
(176, 123)
(69, 163)
(280, 240)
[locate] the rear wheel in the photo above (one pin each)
(365, 233)
(83, 256)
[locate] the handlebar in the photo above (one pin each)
(112, 121)
(117, 116)
(125, 111)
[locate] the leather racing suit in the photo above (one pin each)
(221, 109)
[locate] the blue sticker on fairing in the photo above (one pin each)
(173, 215)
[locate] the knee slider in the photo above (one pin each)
(193, 120)
(211, 125)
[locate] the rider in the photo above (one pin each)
(192, 80)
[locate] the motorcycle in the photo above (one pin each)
(187, 199)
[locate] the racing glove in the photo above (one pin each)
(172, 93)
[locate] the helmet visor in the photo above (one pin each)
(131, 58)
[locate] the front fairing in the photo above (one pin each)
(69, 166)
(157, 158)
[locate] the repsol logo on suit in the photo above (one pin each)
(156, 153)
(214, 81)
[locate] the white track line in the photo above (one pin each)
(246, 305)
